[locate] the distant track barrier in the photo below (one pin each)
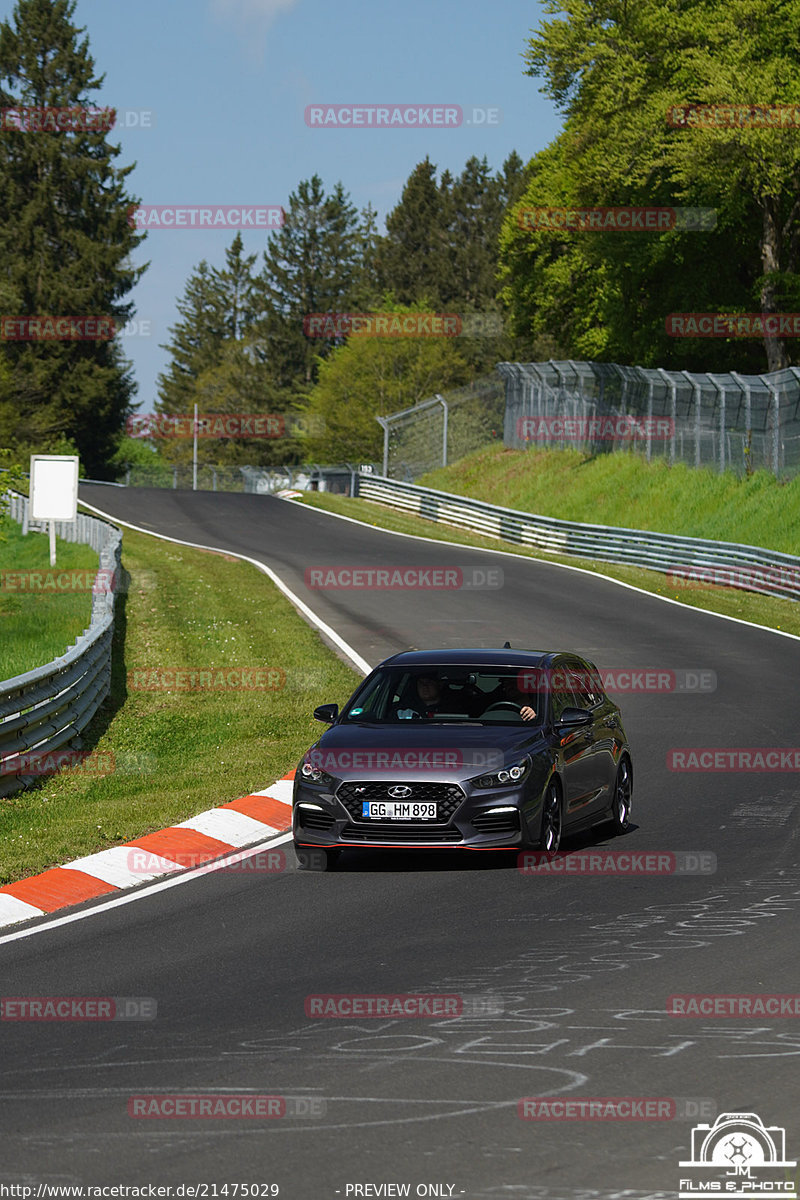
(687, 561)
(43, 712)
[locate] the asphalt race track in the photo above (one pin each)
(583, 965)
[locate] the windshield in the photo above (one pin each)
(498, 696)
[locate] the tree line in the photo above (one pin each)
(454, 243)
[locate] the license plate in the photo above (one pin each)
(396, 810)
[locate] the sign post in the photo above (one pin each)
(54, 492)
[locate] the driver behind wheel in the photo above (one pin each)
(507, 692)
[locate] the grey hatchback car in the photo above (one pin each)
(466, 750)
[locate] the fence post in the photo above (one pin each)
(443, 403)
(776, 423)
(721, 391)
(673, 412)
(696, 397)
(384, 424)
(748, 421)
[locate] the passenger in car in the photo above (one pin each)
(432, 699)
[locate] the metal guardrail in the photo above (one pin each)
(45, 710)
(750, 568)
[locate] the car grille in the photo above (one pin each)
(419, 834)
(447, 797)
(497, 822)
(310, 818)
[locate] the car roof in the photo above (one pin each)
(478, 657)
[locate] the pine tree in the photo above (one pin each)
(415, 255)
(197, 340)
(311, 265)
(65, 241)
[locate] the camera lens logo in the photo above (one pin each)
(736, 1156)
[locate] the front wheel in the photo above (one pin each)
(552, 819)
(622, 801)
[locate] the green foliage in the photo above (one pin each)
(373, 376)
(65, 243)
(615, 70)
(312, 264)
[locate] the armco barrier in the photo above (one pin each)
(46, 710)
(750, 568)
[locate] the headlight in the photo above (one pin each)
(310, 773)
(507, 777)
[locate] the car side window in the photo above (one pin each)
(562, 694)
(583, 686)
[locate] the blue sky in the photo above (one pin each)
(224, 85)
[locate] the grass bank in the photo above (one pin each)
(42, 609)
(747, 606)
(164, 753)
(624, 489)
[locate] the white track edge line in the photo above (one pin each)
(142, 893)
(353, 655)
(533, 558)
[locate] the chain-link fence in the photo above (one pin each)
(729, 421)
(443, 429)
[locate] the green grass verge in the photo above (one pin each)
(624, 489)
(177, 753)
(747, 606)
(39, 625)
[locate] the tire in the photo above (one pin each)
(552, 819)
(316, 858)
(622, 801)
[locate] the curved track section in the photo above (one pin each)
(583, 966)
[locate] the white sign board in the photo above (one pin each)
(54, 487)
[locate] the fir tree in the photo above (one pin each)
(65, 241)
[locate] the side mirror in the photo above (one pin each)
(573, 718)
(327, 713)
